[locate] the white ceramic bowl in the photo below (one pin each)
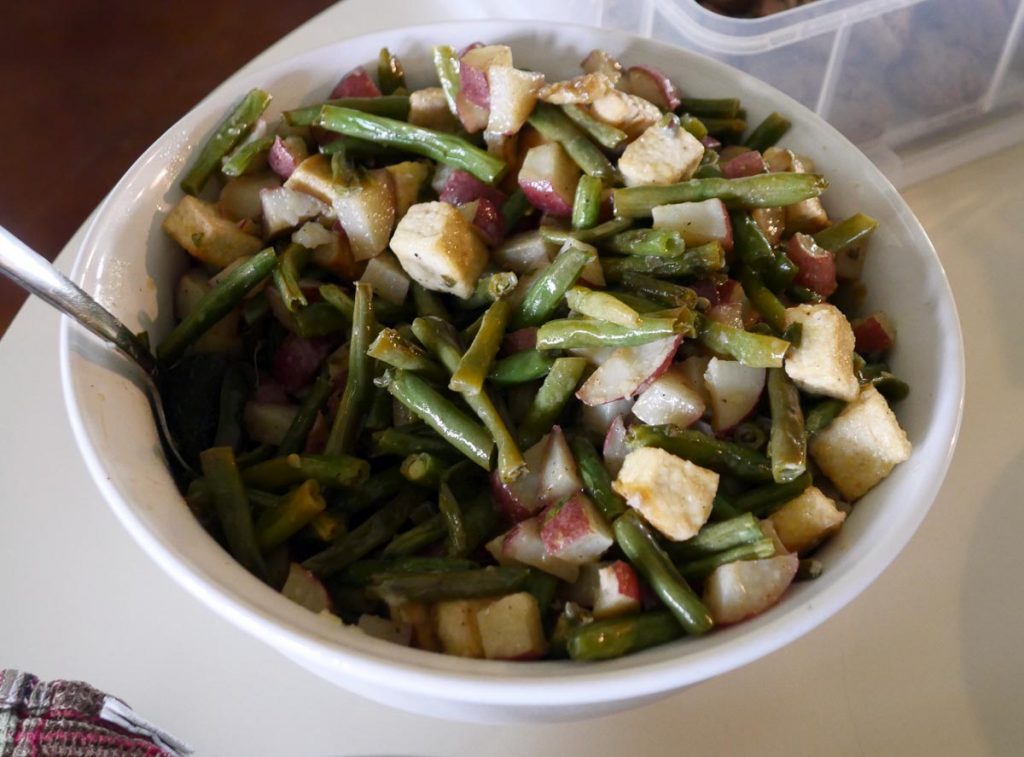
(130, 266)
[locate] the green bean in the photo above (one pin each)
(446, 63)
(670, 294)
(706, 451)
(345, 304)
(846, 234)
(570, 333)
(663, 242)
(379, 486)
(344, 151)
(392, 106)
(297, 433)
(441, 414)
(763, 299)
(480, 520)
(416, 538)
(780, 271)
(750, 434)
(513, 210)
(245, 156)
(232, 507)
(770, 190)
(602, 306)
(317, 319)
(764, 500)
(363, 572)
(359, 381)
(327, 527)
(395, 441)
(640, 304)
(724, 107)
(749, 242)
(809, 569)
(259, 454)
(234, 393)
(787, 447)
(229, 133)
(444, 148)
(327, 470)
(390, 73)
(216, 304)
(596, 479)
(803, 295)
(604, 134)
(424, 469)
(550, 400)
(717, 537)
(476, 361)
(768, 132)
(547, 290)
(756, 550)
(821, 415)
(709, 171)
(286, 276)
(552, 123)
(586, 205)
(490, 288)
(696, 261)
(371, 533)
(448, 585)
(754, 350)
(889, 386)
(726, 129)
(616, 637)
(594, 234)
(199, 496)
(521, 367)
(456, 544)
(295, 510)
(427, 302)
(392, 348)
(635, 539)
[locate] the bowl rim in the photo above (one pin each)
(492, 682)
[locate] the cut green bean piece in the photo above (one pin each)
(395, 441)
(444, 148)
(547, 290)
(662, 242)
(570, 333)
(457, 542)
(427, 302)
(424, 469)
(390, 74)
(764, 500)
(232, 507)
(514, 209)
(551, 399)
(729, 130)
(821, 415)
(696, 261)
(363, 572)
(391, 106)
(696, 127)
(809, 569)
(446, 63)
(602, 306)
(724, 107)
(448, 585)
(604, 134)
(379, 486)
(757, 550)
(846, 234)
(706, 451)
(359, 380)
(371, 534)
(763, 299)
(234, 393)
(641, 305)
(329, 471)
(670, 294)
(521, 367)
(717, 537)
(771, 190)
(416, 538)
(767, 133)
(617, 637)
(596, 479)
(287, 274)
(295, 438)
(552, 123)
(490, 288)
(245, 156)
(594, 234)
(229, 133)
(749, 242)
(297, 509)
(392, 348)
(441, 414)
(787, 447)
(637, 541)
(473, 367)
(216, 304)
(754, 350)
(586, 206)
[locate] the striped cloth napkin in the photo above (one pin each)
(72, 719)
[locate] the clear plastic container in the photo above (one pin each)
(919, 85)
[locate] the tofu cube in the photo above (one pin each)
(663, 154)
(862, 445)
(823, 363)
(456, 626)
(673, 494)
(803, 522)
(580, 90)
(438, 248)
(510, 628)
(207, 235)
(630, 113)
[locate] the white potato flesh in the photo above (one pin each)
(740, 590)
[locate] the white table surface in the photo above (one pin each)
(927, 661)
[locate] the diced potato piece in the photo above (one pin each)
(429, 108)
(580, 90)
(823, 363)
(240, 197)
(632, 114)
(663, 154)
(206, 235)
(439, 249)
(862, 445)
(510, 628)
(366, 210)
(285, 209)
(513, 95)
(456, 626)
(314, 177)
(389, 281)
(336, 256)
(409, 177)
(808, 216)
(673, 494)
(417, 616)
(803, 522)
(223, 336)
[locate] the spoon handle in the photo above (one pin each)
(36, 274)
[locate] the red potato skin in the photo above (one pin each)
(874, 334)
(281, 159)
(297, 360)
(520, 340)
(489, 221)
(542, 195)
(625, 576)
(472, 116)
(462, 187)
(749, 163)
(510, 506)
(317, 439)
(670, 358)
(817, 265)
(710, 143)
(473, 82)
(653, 84)
(356, 83)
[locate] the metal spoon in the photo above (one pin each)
(34, 273)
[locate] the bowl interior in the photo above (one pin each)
(127, 262)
